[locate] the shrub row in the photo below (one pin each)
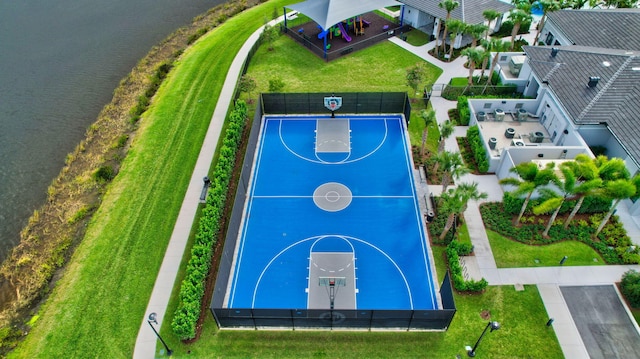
(193, 286)
(463, 110)
(507, 27)
(591, 204)
(452, 92)
(630, 287)
(612, 243)
(477, 148)
(154, 83)
(454, 250)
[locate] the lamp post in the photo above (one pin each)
(152, 319)
(494, 326)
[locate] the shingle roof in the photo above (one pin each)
(469, 11)
(614, 100)
(611, 28)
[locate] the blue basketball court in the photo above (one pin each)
(332, 219)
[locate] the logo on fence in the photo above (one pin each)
(333, 103)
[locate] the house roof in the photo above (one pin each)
(469, 11)
(614, 99)
(610, 28)
(330, 12)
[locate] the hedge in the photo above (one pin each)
(477, 148)
(591, 204)
(630, 287)
(454, 250)
(186, 316)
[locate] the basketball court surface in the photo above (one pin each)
(332, 219)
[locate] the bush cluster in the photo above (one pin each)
(154, 83)
(192, 289)
(507, 27)
(437, 226)
(630, 287)
(612, 243)
(477, 148)
(454, 250)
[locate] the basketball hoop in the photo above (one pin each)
(333, 103)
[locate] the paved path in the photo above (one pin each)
(481, 265)
(146, 340)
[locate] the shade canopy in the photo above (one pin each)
(330, 12)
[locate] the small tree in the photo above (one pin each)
(415, 76)
(456, 27)
(530, 178)
(269, 35)
(448, 6)
(247, 84)
(276, 85)
(518, 16)
(490, 15)
(429, 118)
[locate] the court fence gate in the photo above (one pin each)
(302, 318)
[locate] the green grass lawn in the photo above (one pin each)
(509, 253)
(302, 71)
(521, 314)
(417, 37)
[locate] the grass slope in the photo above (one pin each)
(97, 307)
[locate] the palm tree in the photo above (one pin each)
(589, 182)
(474, 56)
(547, 7)
(455, 203)
(490, 15)
(531, 178)
(618, 190)
(497, 46)
(518, 16)
(446, 130)
(429, 118)
(554, 201)
(449, 6)
(476, 32)
(456, 27)
(452, 167)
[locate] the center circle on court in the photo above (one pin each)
(332, 196)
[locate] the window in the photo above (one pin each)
(549, 39)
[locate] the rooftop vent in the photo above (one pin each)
(554, 51)
(593, 81)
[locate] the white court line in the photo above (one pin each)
(418, 214)
(274, 258)
(318, 161)
(294, 196)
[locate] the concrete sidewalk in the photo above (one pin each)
(146, 341)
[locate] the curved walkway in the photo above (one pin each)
(548, 279)
(146, 340)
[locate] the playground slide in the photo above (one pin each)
(344, 32)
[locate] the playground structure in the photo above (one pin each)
(355, 25)
(344, 37)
